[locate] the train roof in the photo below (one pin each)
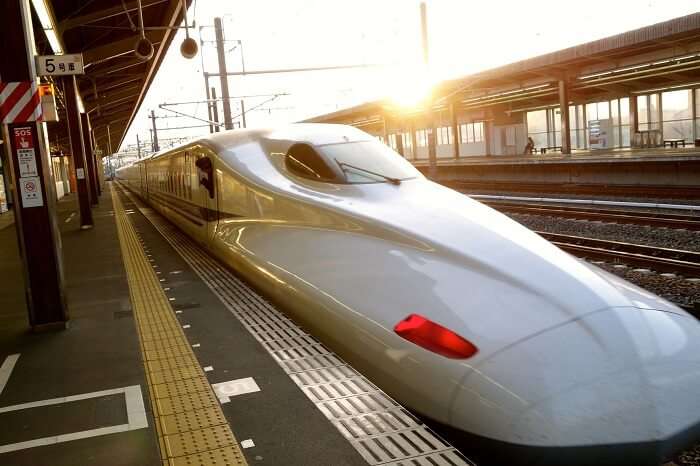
(312, 133)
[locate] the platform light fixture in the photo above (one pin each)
(47, 24)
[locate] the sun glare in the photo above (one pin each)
(409, 87)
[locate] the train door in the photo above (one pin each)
(206, 195)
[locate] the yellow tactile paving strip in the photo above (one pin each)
(191, 427)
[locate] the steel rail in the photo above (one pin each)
(659, 259)
(689, 222)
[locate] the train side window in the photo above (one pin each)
(303, 160)
(206, 174)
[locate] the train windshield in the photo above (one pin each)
(367, 162)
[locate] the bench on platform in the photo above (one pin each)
(673, 142)
(543, 150)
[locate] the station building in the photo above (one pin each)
(640, 88)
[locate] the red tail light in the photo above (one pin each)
(434, 337)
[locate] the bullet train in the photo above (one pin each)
(460, 313)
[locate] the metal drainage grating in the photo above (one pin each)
(380, 429)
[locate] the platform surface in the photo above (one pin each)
(107, 360)
(99, 351)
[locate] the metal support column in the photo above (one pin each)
(243, 113)
(110, 152)
(215, 110)
(75, 131)
(455, 129)
(564, 114)
(35, 215)
(96, 159)
(89, 158)
(228, 123)
(209, 102)
(156, 148)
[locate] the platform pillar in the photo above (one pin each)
(634, 120)
(564, 114)
(399, 143)
(432, 146)
(75, 132)
(414, 147)
(89, 158)
(35, 207)
(454, 119)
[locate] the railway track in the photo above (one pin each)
(638, 191)
(657, 219)
(677, 261)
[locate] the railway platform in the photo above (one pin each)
(169, 358)
(624, 155)
(670, 173)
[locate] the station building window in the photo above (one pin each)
(648, 112)
(616, 110)
(544, 126)
(392, 141)
(422, 138)
(538, 127)
(471, 132)
(444, 135)
(677, 114)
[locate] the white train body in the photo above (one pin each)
(567, 356)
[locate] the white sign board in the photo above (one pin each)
(30, 188)
(80, 173)
(27, 162)
(600, 134)
(59, 65)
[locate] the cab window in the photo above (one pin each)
(304, 161)
(355, 162)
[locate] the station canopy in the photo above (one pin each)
(105, 32)
(661, 56)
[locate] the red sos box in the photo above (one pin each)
(23, 138)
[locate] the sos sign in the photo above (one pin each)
(23, 138)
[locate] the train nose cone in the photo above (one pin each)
(621, 386)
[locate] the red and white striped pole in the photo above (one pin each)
(19, 102)
(27, 150)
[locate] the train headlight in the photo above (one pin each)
(434, 337)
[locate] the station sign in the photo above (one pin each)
(59, 65)
(29, 181)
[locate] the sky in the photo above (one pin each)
(465, 36)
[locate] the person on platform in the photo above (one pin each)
(530, 146)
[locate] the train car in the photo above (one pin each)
(457, 311)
